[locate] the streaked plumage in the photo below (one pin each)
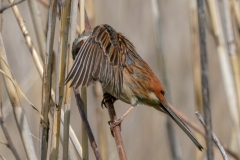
(110, 58)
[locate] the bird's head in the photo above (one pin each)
(78, 42)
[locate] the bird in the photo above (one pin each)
(107, 56)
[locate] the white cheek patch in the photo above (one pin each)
(153, 96)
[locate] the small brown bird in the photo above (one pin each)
(110, 58)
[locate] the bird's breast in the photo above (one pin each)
(135, 91)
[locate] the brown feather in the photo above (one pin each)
(102, 57)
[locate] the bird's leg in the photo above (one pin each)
(119, 121)
(107, 97)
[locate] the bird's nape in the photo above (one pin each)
(164, 107)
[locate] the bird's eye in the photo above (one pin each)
(163, 92)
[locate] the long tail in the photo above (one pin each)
(181, 124)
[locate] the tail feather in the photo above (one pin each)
(181, 124)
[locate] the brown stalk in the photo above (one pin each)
(64, 28)
(86, 124)
(116, 130)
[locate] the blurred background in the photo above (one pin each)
(144, 130)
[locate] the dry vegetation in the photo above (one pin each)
(35, 52)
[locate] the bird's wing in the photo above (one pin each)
(102, 57)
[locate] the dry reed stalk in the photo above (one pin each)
(38, 27)
(16, 105)
(71, 151)
(64, 28)
(85, 152)
(75, 141)
(39, 66)
(66, 110)
(227, 73)
(1, 20)
(72, 134)
(46, 4)
(47, 79)
(9, 143)
(74, 7)
(204, 79)
(31, 47)
(101, 127)
(10, 5)
(174, 145)
(196, 56)
(196, 66)
(2, 157)
(198, 129)
(236, 10)
(232, 49)
(236, 30)
(224, 155)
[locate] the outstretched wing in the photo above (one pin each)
(102, 57)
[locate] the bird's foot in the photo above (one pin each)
(115, 123)
(107, 97)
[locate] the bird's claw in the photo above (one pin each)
(107, 97)
(115, 123)
(103, 103)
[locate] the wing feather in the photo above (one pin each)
(90, 80)
(78, 66)
(102, 57)
(87, 67)
(96, 70)
(74, 70)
